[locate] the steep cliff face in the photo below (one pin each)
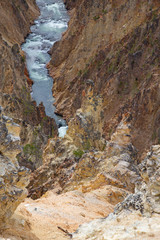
(116, 44)
(16, 19)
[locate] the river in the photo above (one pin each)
(47, 29)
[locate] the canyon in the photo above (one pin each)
(102, 179)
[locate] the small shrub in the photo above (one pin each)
(104, 11)
(78, 153)
(30, 149)
(95, 18)
(23, 58)
(79, 73)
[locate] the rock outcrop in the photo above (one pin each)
(129, 224)
(150, 172)
(115, 165)
(13, 178)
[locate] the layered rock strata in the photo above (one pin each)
(116, 44)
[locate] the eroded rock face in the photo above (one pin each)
(17, 17)
(13, 179)
(70, 165)
(110, 43)
(61, 155)
(130, 224)
(86, 128)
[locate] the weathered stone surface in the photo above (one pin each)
(146, 196)
(67, 164)
(67, 210)
(126, 226)
(86, 128)
(13, 179)
(115, 165)
(129, 224)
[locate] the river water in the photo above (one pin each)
(47, 29)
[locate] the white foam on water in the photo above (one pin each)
(47, 29)
(62, 131)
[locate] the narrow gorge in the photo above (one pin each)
(79, 119)
(47, 29)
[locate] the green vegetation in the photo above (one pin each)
(23, 58)
(30, 149)
(26, 100)
(104, 11)
(149, 76)
(78, 153)
(79, 73)
(154, 135)
(52, 133)
(99, 64)
(110, 132)
(84, 71)
(28, 108)
(154, 15)
(110, 67)
(95, 18)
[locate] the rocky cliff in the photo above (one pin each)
(16, 19)
(116, 45)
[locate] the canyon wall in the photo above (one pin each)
(116, 45)
(16, 19)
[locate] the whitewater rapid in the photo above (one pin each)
(47, 29)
